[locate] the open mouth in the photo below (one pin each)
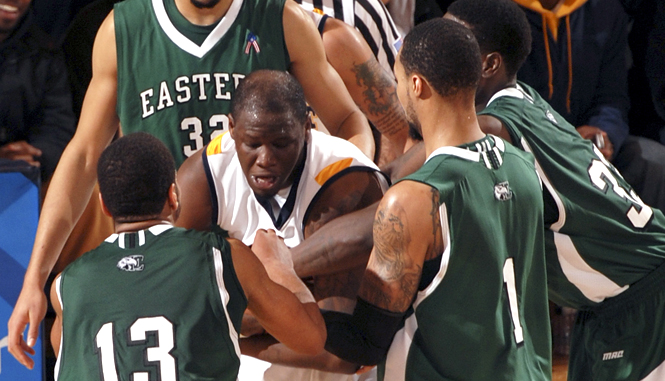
(265, 182)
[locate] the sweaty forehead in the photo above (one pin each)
(274, 125)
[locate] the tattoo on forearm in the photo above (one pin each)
(381, 103)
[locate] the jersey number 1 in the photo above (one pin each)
(137, 335)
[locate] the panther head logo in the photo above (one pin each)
(131, 263)
(502, 191)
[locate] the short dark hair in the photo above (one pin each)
(499, 26)
(273, 91)
(135, 173)
(445, 53)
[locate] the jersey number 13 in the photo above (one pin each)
(159, 354)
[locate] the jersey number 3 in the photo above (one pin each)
(601, 176)
(137, 336)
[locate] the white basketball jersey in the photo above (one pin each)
(237, 210)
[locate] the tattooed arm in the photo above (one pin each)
(406, 233)
(372, 88)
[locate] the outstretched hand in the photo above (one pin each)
(29, 311)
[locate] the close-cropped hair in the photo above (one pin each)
(445, 53)
(499, 26)
(135, 173)
(271, 91)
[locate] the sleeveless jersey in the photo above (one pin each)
(176, 79)
(602, 238)
(162, 301)
(370, 18)
(484, 316)
(236, 208)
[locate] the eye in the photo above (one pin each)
(280, 143)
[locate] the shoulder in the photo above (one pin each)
(293, 12)
(323, 144)
(409, 198)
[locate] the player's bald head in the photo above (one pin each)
(271, 92)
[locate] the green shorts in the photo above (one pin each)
(624, 337)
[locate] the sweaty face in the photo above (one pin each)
(405, 98)
(269, 146)
(11, 12)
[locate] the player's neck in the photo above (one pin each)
(450, 123)
(488, 88)
(203, 16)
(130, 227)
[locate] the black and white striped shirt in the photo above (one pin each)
(370, 18)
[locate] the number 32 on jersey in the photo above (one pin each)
(217, 123)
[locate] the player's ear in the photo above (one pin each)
(173, 197)
(308, 123)
(232, 125)
(492, 62)
(105, 210)
(420, 87)
(417, 84)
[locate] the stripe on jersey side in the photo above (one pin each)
(58, 291)
(398, 354)
(445, 258)
(593, 284)
(224, 295)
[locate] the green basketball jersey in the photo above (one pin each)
(176, 79)
(484, 316)
(158, 304)
(602, 238)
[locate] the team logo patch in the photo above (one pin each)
(502, 191)
(252, 42)
(131, 263)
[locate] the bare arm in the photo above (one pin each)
(372, 88)
(406, 233)
(406, 164)
(69, 190)
(323, 87)
(340, 244)
(345, 244)
(297, 323)
(195, 201)
(406, 227)
(492, 125)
